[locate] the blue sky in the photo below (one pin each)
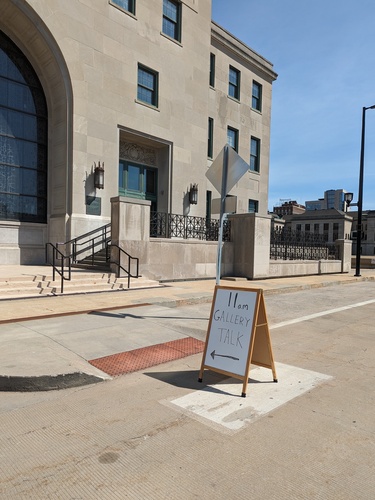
(324, 54)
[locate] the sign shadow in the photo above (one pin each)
(188, 379)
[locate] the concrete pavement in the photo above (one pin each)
(157, 433)
(66, 341)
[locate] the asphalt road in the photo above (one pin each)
(145, 435)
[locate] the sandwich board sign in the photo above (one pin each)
(238, 334)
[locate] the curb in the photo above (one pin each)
(78, 379)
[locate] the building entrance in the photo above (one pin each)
(138, 181)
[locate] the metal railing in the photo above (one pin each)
(130, 260)
(297, 245)
(87, 244)
(57, 260)
(164, 225)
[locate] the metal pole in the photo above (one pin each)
(360, 198)
(222, 208)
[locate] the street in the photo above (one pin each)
(137, 436)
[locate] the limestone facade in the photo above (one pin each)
(88, 55)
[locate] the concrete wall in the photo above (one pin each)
(161, 258)
(22, 243)
(246, 255)
(285, 268)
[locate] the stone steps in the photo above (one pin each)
(81, 282)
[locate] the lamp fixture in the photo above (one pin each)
(99, 176)
(348, 198)
(193, 194)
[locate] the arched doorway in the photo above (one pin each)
(23, 138)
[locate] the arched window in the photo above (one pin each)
(23, 138)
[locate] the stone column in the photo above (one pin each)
(250, 236)
(345, 253)
(130, 230)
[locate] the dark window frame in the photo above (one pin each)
(255, 156)
(256, 100)
(234, 85)
(121, 4)
(236, 137)
(210, 140)
(153, 90)
(142, 191)
(172, 26)
(253, 206)
(212, 69)
(23, 139)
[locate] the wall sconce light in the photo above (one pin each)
(193, 194)
(99, 176)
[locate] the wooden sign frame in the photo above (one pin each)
(238, 327)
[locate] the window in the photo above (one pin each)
(212, 70)
(147, 86)
(210, 145)
(316, 228)
(256, 99)
(232, 138)
(335, 231)
(138, 181)
(254, 154)
(325, 231)
(307, 228)
(253, 206)
(128, 5)
(172, 19)
(234, 83)
(23, 138)
(208, 204)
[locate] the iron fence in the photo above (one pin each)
(163, 225)
(297, 245)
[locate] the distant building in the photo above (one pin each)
(368, 232)
(331, 223)
(333, 198)
(289, 208)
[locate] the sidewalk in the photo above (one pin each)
(57, 342)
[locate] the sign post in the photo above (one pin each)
(238, 334)
(221, 220)
(226, 170)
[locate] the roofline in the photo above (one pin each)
(224, 37)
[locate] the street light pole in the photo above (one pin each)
(360, 195)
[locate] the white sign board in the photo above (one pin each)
(229, 336)
(230, 205)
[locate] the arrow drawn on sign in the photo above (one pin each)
(213, 354)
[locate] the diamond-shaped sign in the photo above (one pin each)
(237, 167)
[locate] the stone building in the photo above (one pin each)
(368, 232)
(332, 224)
(289, 208)
(149, 91)
(333, 198)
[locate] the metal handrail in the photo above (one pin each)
(88, 244)
(130, 259)
(57, 255)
